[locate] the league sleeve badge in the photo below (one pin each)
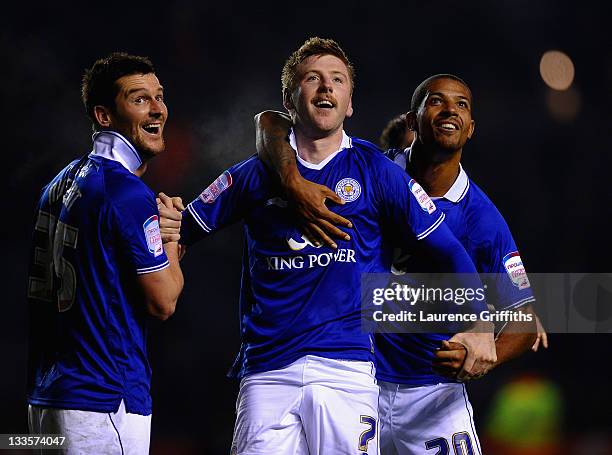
(516, 270)
(222, 183)
(422, 197)
(153, 235)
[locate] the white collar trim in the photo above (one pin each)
(346, 143)
(460, 188)
(113, 146)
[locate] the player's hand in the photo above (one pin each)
(480, 345)
(449, 359)
(169, 217)
(177, 202)
(319, 223)
(542, 337)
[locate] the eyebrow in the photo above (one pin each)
(442, 95)
(332, 72)
(461, 97)
(139, 89)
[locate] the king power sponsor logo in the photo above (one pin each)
(310, 261)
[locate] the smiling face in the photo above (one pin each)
(444, 118)
(139, 113)
(322, 97)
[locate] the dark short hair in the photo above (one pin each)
(312, 46)
(393, 135)
(421, 91)
(99, 86)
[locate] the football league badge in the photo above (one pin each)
(222, 183)
(153, 235)
(422, 197)
(516, 270)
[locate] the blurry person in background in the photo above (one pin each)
(397, 134)
(526, 417)
(99, 271)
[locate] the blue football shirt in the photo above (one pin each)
(478, 225)
(297, 299)
(96, 229)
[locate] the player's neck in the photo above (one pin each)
(435, 170)
(316, 149)
(141, 170)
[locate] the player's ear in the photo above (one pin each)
(411, 120)
(349, 109)
(102, 115)
(287, 101)
(289, 104)
(471, 130)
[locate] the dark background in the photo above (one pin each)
(220, 63)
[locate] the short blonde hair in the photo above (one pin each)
(312, 46)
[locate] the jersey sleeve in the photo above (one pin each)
(404, 203)
(507, 281)
(136, 222)
(222, 203)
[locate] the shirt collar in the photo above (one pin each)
(113, 146)
(346, 143)
(459, 188)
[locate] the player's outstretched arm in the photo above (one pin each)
(516, 338)
(161, 289)
(478, 345)
(272, 129)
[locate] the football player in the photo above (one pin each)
(99, 270)
(306, 368)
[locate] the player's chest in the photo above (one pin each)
(273, 221)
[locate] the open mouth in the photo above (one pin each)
(447, 126)
(152, 128)
(324, 104)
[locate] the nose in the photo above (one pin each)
(157, 108)
(450, 108)
(326, 84)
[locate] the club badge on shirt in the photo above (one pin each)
(348, 189)
(153, 236)
(422, 197)
(222, 183)
(516, 270)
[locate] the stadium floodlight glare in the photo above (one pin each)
(557, 70)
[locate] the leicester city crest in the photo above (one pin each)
(348, 189)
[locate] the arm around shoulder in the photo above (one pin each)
(271, 131)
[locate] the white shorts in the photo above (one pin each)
(417, 420)
(88, 432)
(313, 406)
